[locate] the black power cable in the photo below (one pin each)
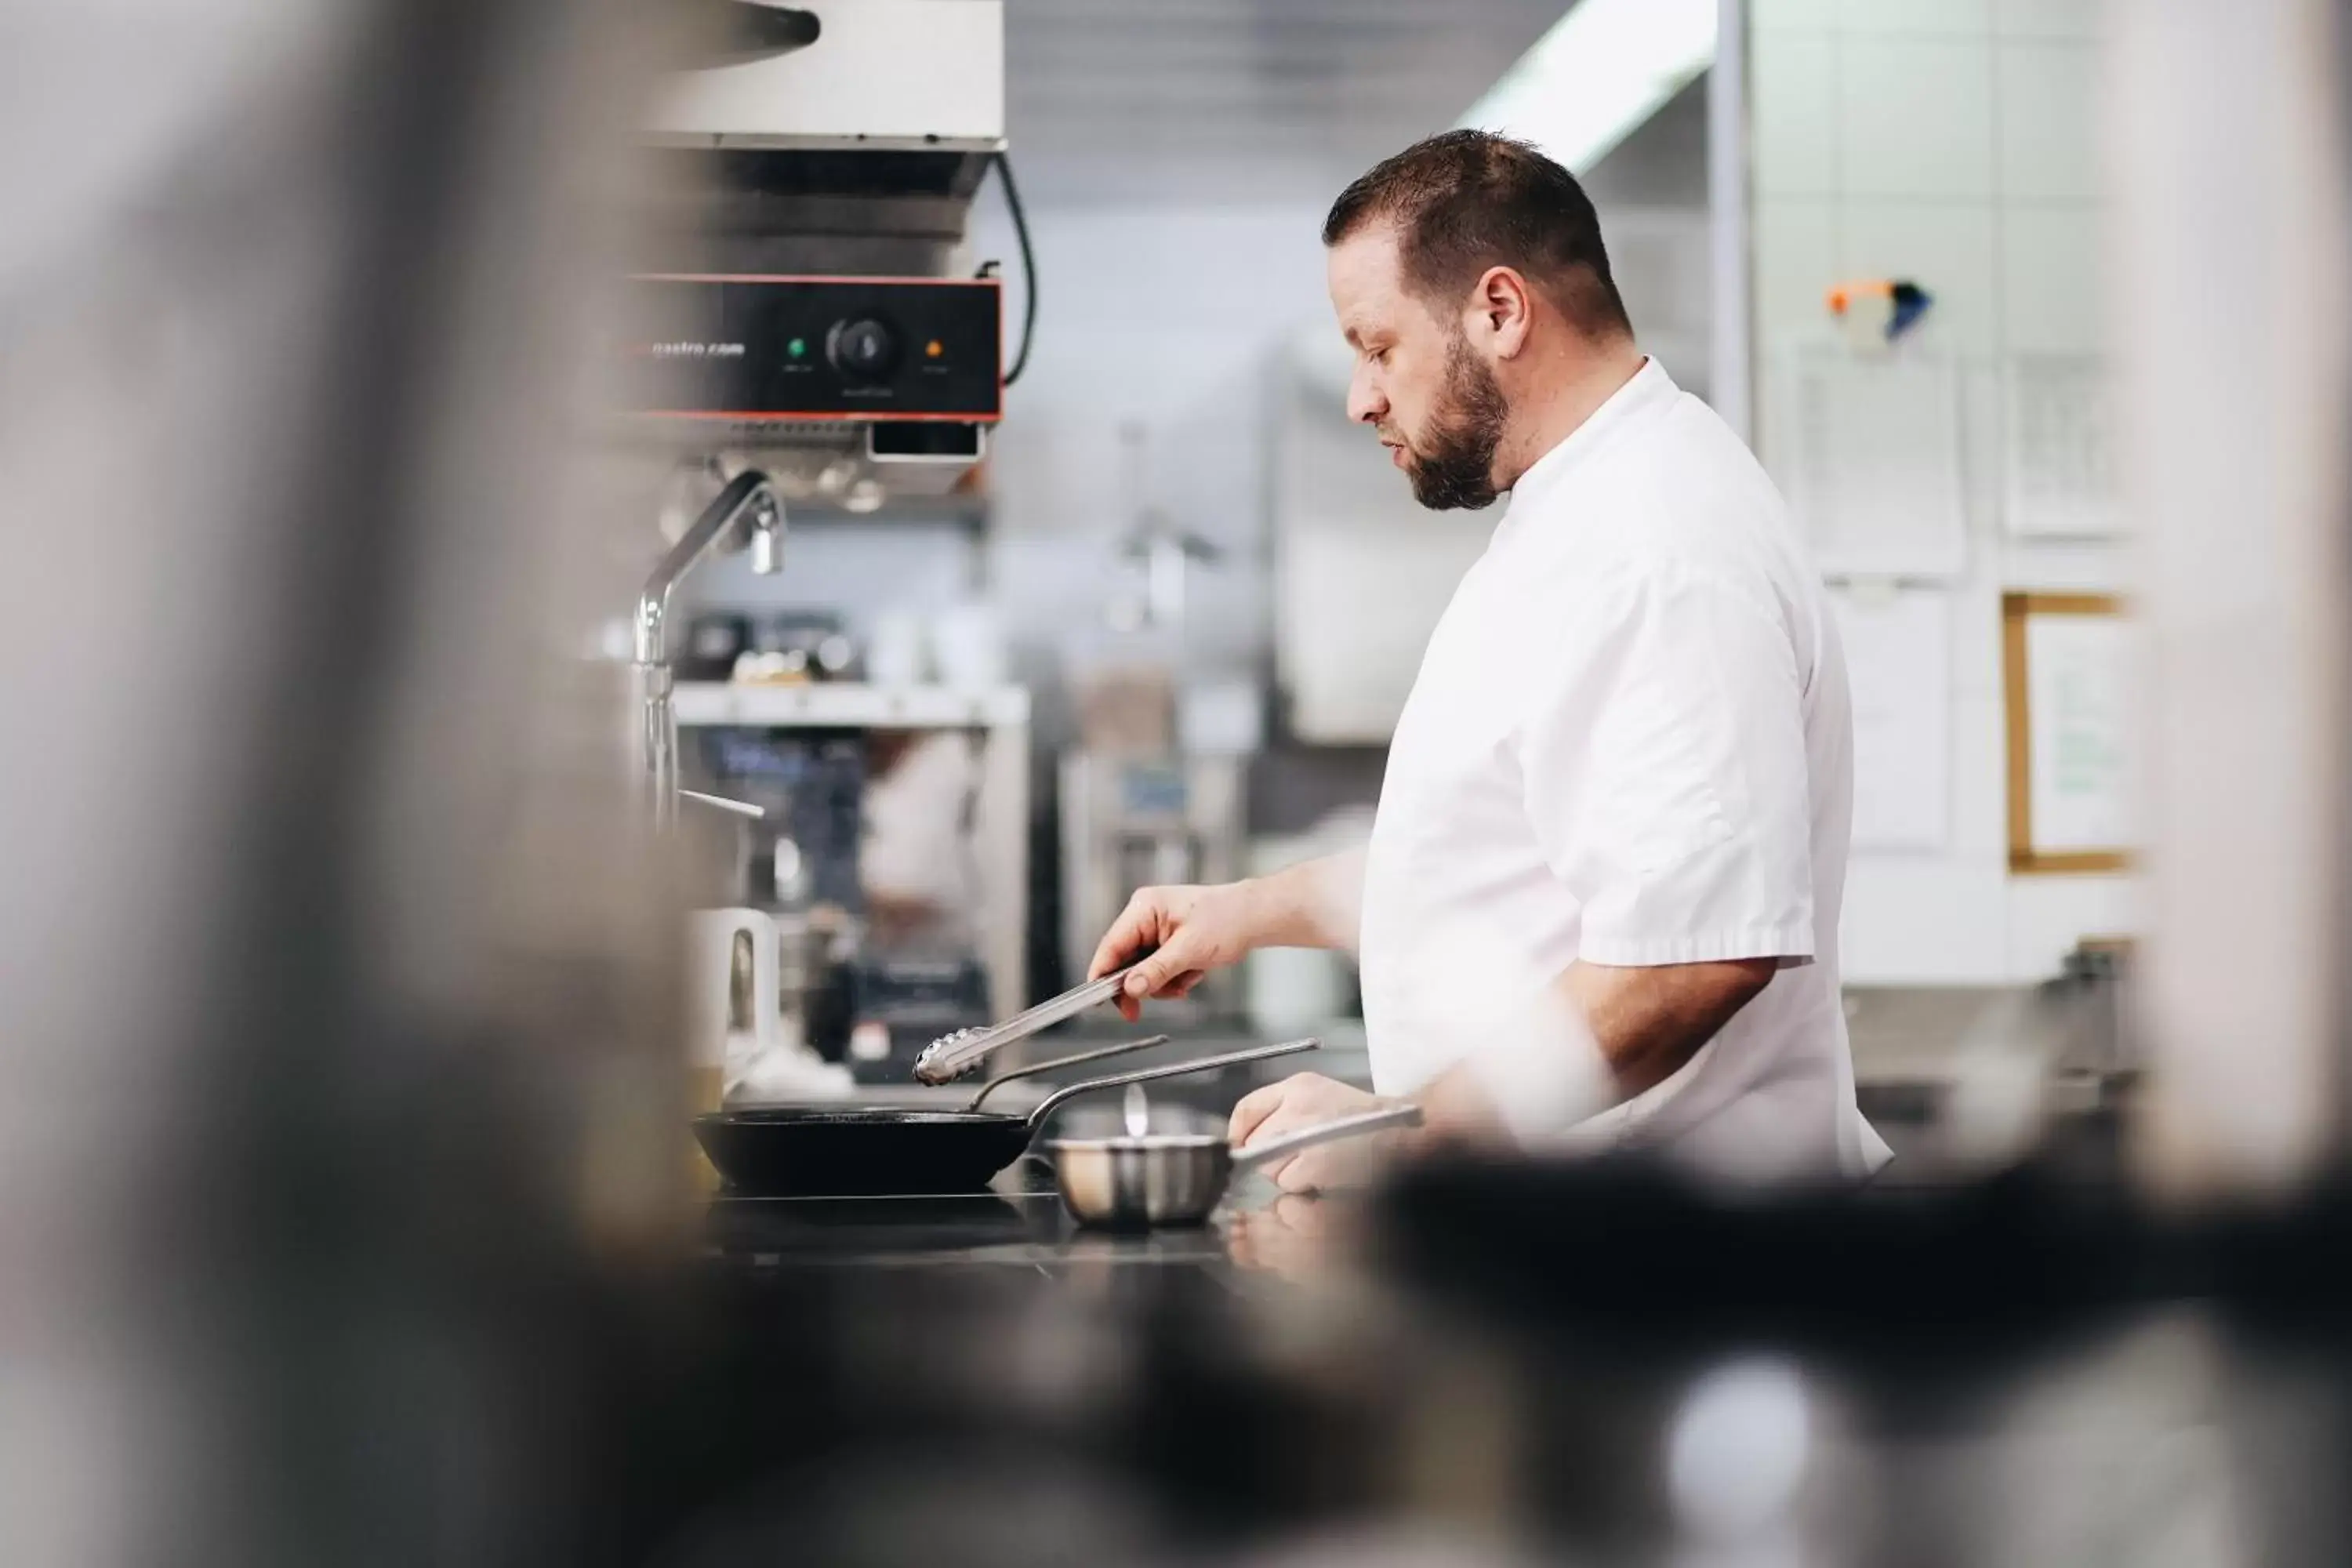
(1028, 269)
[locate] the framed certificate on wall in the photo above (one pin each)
(2069, 675)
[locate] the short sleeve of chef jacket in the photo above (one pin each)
(1664, 762)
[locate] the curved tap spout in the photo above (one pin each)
(749, 495)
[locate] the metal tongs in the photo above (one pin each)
(955, 1054)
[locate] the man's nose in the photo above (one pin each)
(1365, 403)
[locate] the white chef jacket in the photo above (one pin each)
(1629, 742)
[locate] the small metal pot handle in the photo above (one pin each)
(1327, 1132)
(1173, 1070)
(1034, 1068)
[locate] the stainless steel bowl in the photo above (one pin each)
(1131, 1182)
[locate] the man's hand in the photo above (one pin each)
(1312, 904)
(1193, 930)
(1309, 1100)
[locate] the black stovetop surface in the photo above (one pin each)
(1018, 1222)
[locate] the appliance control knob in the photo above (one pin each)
(862, 349)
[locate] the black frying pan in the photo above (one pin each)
(834, 1151)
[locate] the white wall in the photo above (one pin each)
(1167, 316)
(1952, 142)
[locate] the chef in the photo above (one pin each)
(1599, 908)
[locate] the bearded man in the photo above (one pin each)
(1600, 904)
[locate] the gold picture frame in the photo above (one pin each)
(2026, 856)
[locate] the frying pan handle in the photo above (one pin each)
(1327, 1132)
(1094, 1056)
(1173, 1070)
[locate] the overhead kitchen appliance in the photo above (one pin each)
(915, 362)
(809, 304)
(834, 75)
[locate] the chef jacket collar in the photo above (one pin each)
(1648, 387)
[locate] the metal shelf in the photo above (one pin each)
(850, 706)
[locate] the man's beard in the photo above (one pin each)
(1452, 464)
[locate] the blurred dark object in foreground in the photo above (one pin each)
(2034, 1368)
(338, 1164)
(2025, 1256)
(1594, 1363)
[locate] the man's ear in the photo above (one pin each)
(1500, 314)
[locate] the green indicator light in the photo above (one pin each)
(797, 348)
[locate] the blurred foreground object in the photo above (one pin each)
(2230, 255)
(336, 1117)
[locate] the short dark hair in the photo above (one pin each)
(1463, 201)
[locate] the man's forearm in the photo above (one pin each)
(1641, 1025)
(1648, 1021)
(1316, 903)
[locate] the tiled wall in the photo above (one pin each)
(1953, 141)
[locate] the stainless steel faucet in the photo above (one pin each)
(747, 509)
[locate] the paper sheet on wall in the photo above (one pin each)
(1874, 475)
(1898, 659)
(2059, 474)
(2078, 698)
